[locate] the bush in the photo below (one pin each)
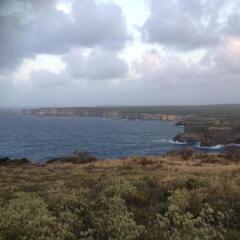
(27, 217)
(112, 220)
(232, 235)
(66, 201)
(185, 154)
(77, 158)
(88, 216)
(5, 161)
(177, 224)
(233, 154)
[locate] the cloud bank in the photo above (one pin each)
(185, 52)
(187, 25)
(31, 27)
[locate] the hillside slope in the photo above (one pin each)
(183, 195)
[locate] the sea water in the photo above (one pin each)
(42, 138)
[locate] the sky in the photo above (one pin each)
(119, 52)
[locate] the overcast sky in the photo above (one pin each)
(119, 52)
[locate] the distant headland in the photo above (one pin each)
(206, 125)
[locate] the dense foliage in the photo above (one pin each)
(140, 198)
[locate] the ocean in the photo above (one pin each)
(43, 138)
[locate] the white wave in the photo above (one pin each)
(233, 145)
(197, 145)
(170, 141)
(160, 140)
(216, 147)
(177, 142)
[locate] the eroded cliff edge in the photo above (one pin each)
(210, 132)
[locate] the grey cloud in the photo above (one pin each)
(219, 67)
(173, 73)
(9, 7)
(6, 86)
(43, 78)
(104, 22)
(233, 24)
(173, 81)
(97, 65)
(187, 25)
(37, 27)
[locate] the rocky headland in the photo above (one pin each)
(210, 132)
(208, 125)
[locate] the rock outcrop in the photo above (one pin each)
(210, 132)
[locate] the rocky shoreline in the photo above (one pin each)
(209, 133)
(205, 125)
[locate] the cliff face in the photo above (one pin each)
(95, 112)
(210, 132)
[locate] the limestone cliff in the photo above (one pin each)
(98, 112)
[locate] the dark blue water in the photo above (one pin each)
(41, 138)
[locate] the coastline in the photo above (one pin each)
(101, 112)
(84, 157)
(203, 127)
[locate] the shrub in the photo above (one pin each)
(112, 220)
(232, 235)
(7, 161)
(27, 217)
(92, 215)
(72, 208)
(233, 154)
(194, 183)
(77, 158)
(176, 225)
(185, 154)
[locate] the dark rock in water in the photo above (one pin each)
(77, 158)
(180, 124)
(188, 138)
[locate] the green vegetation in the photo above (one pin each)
(180, 196)
(216, 111)
(210, 131)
